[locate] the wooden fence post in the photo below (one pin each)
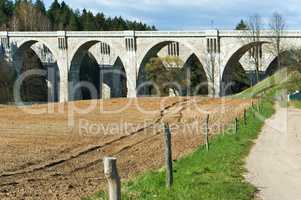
(253, 109)
(168, 156)
(112, 176)
(245, 117)
(236, 125)
(261, 104)
(207, 132)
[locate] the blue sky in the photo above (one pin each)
(193, 14)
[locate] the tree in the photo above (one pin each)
(25, 15)
(22, 15)
(88, 21)
(241, 25)
(153, 28)
(6, 11)
(28, 18)
(163, 72)
(39, 5)
(277, 25)
(64, 16)
(100, 21)
(253, 39)
(74, 22)
(54, 14)
(210, 68)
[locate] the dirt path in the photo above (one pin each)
(274, 164)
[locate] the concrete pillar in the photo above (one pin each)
(105, 91)
(52, 82)
(131, 72)
(17, 63)
(63, 85)
(116, 83)
(63, 65)
(218, 75)
(130, 65)
(74, 80)
(217, 85)
(214, 59)
(62, 62)
(214, 80)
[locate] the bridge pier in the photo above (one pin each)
(63, 89)
(131, 66)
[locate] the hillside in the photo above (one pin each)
(288, 79)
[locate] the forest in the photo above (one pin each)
(27, 15)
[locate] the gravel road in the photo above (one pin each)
(274, 163)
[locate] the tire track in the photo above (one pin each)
(91, 148)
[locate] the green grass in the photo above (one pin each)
(285, 79)
(296, 104)
(214, 175)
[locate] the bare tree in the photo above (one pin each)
(28, 18)
(210, 68)
(253, 32)
(210, 58)
(277, 25)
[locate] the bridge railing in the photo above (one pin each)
(203, 33)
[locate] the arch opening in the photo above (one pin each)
(38, 88)
(236, 77)
(144, 86)
(89, 74)
(288, 58)
(195, 73)
(170, 75)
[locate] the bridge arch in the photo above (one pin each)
(152, 50)
(233, 74)
(42, 54)
(198, 76)
(104, 70)
(288, 57)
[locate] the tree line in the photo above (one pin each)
(26, 15)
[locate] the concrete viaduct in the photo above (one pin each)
(132, 49)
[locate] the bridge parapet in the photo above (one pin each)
(202, 33)
(170, 33)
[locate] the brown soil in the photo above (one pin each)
(44, 158)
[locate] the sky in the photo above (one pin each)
(193, 14)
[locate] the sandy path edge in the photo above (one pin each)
(274, 163)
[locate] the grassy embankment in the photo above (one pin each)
(284, 81)
(217, 174)
(281, 83)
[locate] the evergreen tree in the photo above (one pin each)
(74, 22)
(39, 5)
(100, 21)
(6, 11)
(64, 16)
(241, 25)
(54, 13)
